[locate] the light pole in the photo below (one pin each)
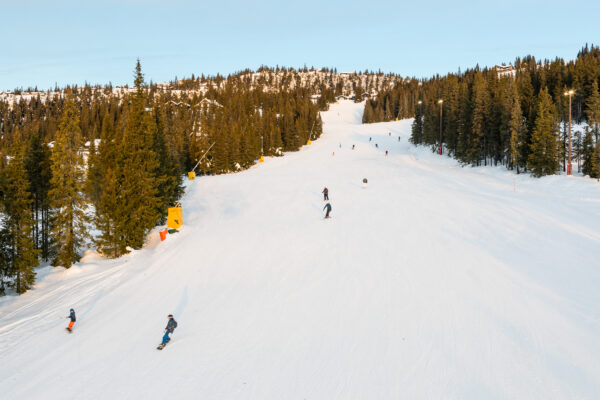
(570, 166)
(441, 103)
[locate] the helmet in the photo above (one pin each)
(71, 309)
(170, 315)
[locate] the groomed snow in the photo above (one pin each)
(434, 282)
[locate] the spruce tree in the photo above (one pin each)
(21, 257)
(515, 128)
(38, 162)
(140, 202)
(105, 178)
(67, 196)
(478, 126)
(595, 162)
(593, 110)
(543, 159)
(587, 152)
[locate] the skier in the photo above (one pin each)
(369, 139)
(390, 133)
(340, 145)
(325, 194)
(376, 145)
(352, 147)
(365, 182)
(328, 207)
(386, 153)
(72, 318)
(171, 325)
(399, 137)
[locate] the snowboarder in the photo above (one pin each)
(171, 325)
(328, 207)
(325, 194)
(72, 318)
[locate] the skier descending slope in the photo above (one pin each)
(328, 207)
(171, 325)
(72, 318)
(325, 194)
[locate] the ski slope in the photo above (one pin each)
(434, 282)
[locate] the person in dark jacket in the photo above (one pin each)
(325, 194)
(72, 318)
(171, 325)
(328, 207)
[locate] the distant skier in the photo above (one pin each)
(352, 147)
(390, 133)
(340, 145)
(386, 153)
(376, 145)
(399, 137)
(72, 318)
(328, 207)
(365, 182)
(370, 139)
(325, 194)
(171, 325)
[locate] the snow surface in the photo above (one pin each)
(434, 282)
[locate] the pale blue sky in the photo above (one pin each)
(48, 42)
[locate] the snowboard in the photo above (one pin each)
(162, 346)
(69, 330)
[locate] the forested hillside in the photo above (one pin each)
(111, 160)
(515, 117)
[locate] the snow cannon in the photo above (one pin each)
(191, 175)
(175, 217)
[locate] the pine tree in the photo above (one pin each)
(543, 159)
(66, 196)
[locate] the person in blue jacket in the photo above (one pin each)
(328, 207)
(72, 318)
(171, 325)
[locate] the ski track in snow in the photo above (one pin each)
(435, 282)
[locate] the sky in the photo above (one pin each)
(48, 43)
